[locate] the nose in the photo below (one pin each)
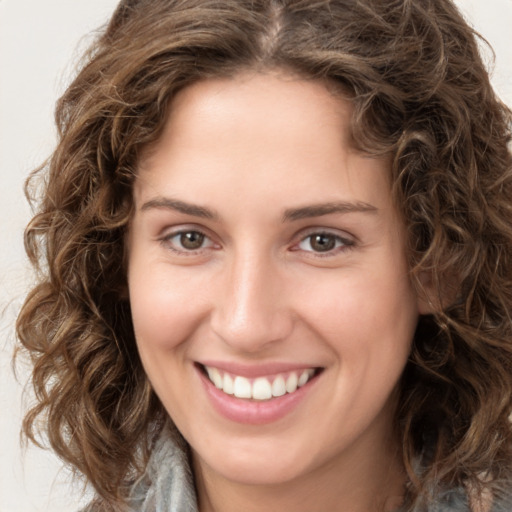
(253, 308)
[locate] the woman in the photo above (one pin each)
(274, 243)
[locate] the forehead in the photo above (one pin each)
(276, 100)
(269, 137)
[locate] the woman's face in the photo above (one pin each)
(266, 251)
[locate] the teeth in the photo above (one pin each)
(215, 377)
(260, 388)
(242, 387)
(291, 383)
(227, 384)
(278, 386)
(304, 377)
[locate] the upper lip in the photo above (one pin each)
(257, 370)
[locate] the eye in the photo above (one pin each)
(188, 241)
(323, 242)
(191, 240)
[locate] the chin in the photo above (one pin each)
(258, 474)
(255, 467)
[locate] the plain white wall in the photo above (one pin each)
(39, 41)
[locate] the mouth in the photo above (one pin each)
(261, 388)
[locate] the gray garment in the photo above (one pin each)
(167, 486)
(456, 500)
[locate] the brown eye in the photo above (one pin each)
(188, 242)
(191, 240)
(322, 242)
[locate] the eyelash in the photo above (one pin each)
(168, 243)
(342, 244)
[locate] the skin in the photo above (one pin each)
(252, 152)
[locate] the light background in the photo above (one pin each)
(39, 41)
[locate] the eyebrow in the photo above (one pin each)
(317, 210)
(180, 206)
(291, 214)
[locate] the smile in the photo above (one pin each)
(261, 388)
(257, 395)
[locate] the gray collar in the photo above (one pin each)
(167, 484)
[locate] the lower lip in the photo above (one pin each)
(254, 412)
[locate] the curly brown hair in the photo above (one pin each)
(420, 93)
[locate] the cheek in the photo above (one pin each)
(365, 314)
(164, 317)
(165, 308)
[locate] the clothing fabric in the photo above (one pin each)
(168, 486)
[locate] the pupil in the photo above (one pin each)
(192, 240)
(322, 243)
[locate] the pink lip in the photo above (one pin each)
(252, 412)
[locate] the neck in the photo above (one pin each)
(350, 483)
